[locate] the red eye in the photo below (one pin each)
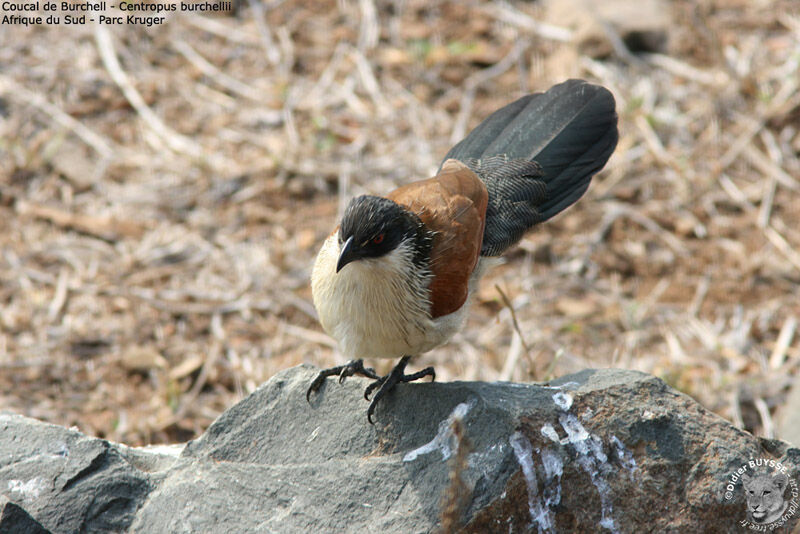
(378, 239)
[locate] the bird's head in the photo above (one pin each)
(373, 227)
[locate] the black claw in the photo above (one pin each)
(383, 384)
(428, 371)
(373, 385)
(316, 383)
(342, 371)
(356, 366)
(387, 383)
(370, 410)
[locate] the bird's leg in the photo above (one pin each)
(386, 383)
(343, 371)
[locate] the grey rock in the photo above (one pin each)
(67, 481)
(605, 450)
(643, 25)
(15, 520)
(787, 421)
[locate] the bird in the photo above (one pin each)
(394, 278)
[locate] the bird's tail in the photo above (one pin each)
(537, 156)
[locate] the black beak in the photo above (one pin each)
(348, 253)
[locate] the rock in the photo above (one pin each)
(15, 520)
(74, 164)
(142, 359)
(601, 450)
(787, 420)
(642, 26)
(67, 481)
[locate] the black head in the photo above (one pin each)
(374, 226)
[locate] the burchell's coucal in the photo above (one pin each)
(394, 278)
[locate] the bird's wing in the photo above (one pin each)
(452, 204)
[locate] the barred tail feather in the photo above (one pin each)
(569, 132)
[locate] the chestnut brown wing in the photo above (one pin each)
(453, 205)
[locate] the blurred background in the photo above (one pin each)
(164, 190)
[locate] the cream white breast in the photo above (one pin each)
(378, 307)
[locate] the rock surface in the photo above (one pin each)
(642, 26)
(15, 520)
(598, 451)
(787, 420)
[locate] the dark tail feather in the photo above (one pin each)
(570, 131)
(516, 189)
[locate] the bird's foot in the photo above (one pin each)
(342, 371)
(384, 384)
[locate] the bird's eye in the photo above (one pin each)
(378, 239)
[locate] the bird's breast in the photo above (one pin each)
(376, 307)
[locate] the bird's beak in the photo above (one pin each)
(348, 253)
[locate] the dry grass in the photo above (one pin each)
(163, 192)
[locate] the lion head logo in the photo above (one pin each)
(764, 493)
